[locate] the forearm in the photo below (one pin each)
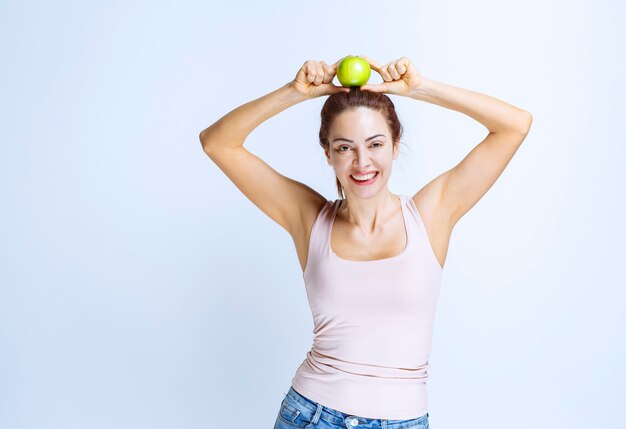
(233, 128)
(494, 114)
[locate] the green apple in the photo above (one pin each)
(353, 71)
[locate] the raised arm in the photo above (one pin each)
(231, 130)
(465, 184)
(457, 190)
(279, 197)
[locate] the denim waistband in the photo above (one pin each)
(336, 416)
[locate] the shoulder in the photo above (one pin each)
(310, 210)
(429, 203)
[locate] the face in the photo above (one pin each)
(360, 143)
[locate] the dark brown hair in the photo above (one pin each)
(339, 102)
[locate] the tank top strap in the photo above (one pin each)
(409, 219)
(320, 231)
(330, 220)
(416, 218)
(421, 234)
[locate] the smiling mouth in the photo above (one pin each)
(365, 182)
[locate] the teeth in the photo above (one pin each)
(363, 178)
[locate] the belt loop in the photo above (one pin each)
(316, 416)
(383, 424)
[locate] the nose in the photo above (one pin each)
(362, 159)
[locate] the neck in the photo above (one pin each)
(367, 214)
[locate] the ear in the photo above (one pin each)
(328, 160)
(396, 150)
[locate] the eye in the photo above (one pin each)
(375, 144)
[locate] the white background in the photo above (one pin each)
(141, 289)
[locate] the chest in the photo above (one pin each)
(387, 241)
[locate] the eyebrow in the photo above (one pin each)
(350, 141)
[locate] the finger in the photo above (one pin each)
(384, 73)
(336, 64)
(302, 72)
(400, 67)
(328, 76)
(319, 74)
(393, 72)
(373, 64)
(404, 63)
(310, 72)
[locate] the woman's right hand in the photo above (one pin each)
(314, 79)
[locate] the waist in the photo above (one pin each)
(364, 390)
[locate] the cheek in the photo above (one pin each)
(342, 163)
(387, 165)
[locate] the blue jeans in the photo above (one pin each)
(299, 412)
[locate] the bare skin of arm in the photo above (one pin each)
(293, 205)
(231, 130)
(466, 183)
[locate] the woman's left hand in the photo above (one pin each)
(400, 77)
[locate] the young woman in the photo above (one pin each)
(372, 261)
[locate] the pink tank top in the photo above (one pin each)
(373, 324)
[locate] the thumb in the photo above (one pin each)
(336, 89)
(374, 88)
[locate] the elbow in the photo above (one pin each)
(526, 122)
(202, 140)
